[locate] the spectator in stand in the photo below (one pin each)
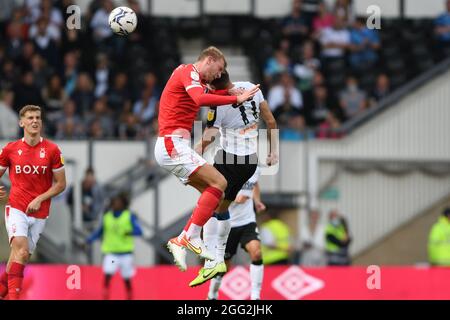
(70, 72)
(337, 237)
(352, 99)
(31, 10)
(327, 129)
(324, 20)
(28, 51)
(295, 130)
(145, 108)
(41, 71)
(27, 92)
(8, 117)
(96, 131)
(317, 112)
(92, 198)
(285, 110)
(6, 13)
(364, 45)
(15, 42)
(304, 70)
(295, 26)
(70, 130)
(442, 28)
(83, 96)
(285, 92)
(335, 41)
(53, 13)
(381, 90)
(102, 73)
(344, 10)
(275, 66)
(54, 97)
(45, 40)
(69, 125)
(9, 75)
(130, 128)
(45, 29)
(99, 23)
(119, 99)
(312, 238)
(101, 113)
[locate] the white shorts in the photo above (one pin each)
(111, 262)
(175, 154)
(18, 224)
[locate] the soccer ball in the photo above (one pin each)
(122, 21)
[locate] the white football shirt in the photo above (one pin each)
(238, 124)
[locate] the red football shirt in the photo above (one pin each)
(31, 172)
(181, 99)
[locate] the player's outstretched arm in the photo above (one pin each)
(207, 139)
(271, 124)
(59, 178)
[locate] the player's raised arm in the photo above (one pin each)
(271, 124)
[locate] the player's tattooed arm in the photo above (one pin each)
(207, 138)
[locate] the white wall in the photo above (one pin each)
(375, 204)
(175, 8)
(279, 8)
(416, 129)
(424, 9)
(266, 9)
(227, 7)
(113, 157)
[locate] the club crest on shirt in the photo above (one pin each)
(195, 76)
(42, 153)
(19, 152)
(210, 115)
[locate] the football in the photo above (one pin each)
(122, 21)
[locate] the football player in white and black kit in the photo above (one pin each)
(236, 161)
(244, 231)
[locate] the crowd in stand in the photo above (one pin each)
(83, 78)
(324, 67)
(312, 76)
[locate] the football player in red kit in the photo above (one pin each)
(185, 92)
(36, 171)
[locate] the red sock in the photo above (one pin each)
(15, 277)
(3, 285)
(186, 227)
(207, 203)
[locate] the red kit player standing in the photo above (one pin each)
(183, 95)
(36, 170)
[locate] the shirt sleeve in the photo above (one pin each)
(190, 79)
(57, 160)
(4, 159)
